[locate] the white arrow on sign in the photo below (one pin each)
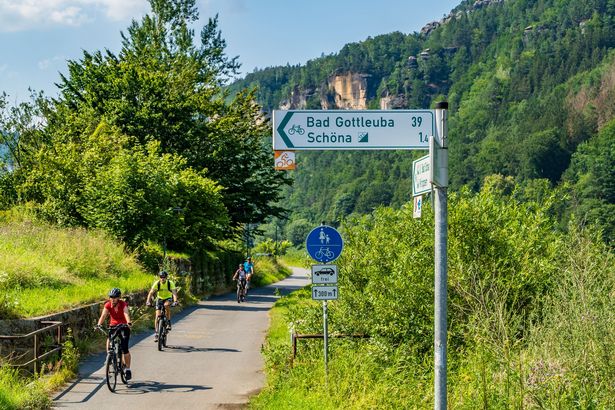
(324, 292)
(352, 130)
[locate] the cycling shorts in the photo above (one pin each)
(160, 302)
(124, 334)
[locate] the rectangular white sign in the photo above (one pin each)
(324, 274)
(324, 292)
(418, 206)
(421, 176)
(352, 130)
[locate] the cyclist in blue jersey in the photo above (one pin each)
(248, 266)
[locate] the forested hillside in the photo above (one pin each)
(530, 85)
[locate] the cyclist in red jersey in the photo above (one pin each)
(117, 309)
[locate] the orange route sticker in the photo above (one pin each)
(284, 160)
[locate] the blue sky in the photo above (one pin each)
(37, 37)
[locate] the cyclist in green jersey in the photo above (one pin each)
(166, 291)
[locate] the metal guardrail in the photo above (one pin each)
(36, 358)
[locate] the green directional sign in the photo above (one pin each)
(352, 130)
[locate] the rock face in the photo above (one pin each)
(391, 102)
(349, 91)
(297, 100)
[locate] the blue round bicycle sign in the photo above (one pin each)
(324, 244)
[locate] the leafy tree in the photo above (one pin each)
(144, 196)
(592, 174)
(164, 87)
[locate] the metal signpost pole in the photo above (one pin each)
(325, 335)
(440, 164)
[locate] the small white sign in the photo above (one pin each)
(322, 274)
(324, 292)
(421, 176)
(418, 206)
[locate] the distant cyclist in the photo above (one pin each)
(166, 291)
(241, 276)
(118, 311)
(248, 266)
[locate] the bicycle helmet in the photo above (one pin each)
(163, 274)
(115, 293)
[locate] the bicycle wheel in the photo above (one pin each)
(238, 293)
(161, 326)
(110, 372)
(164, 337)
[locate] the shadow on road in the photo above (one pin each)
(133, 388)
(150, 386)
(188, 349)
(99, 381)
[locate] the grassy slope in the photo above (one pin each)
(44, 269)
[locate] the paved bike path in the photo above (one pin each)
(213, 360)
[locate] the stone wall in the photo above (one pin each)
(80, 320)
(205, 273)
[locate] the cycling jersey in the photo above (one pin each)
(164, 289)
(116, 313)
(241, 274)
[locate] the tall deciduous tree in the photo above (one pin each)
(165, 86)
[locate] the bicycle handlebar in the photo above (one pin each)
(107, 329)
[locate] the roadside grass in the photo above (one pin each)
(359, 375)
(19, 390)
(296, 257)
(563, 358)
(45, 269)
(268, 270)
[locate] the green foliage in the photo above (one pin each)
(70, 353)
(593, 174)
(527, 82)
(148, 196)
(531, 319)
(134, 136)
(270, 247)
(268, 270)
(297, 231)
(17, 392)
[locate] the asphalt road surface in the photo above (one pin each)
(212, 361)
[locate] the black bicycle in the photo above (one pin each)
(163, 328)
(114, 365)
(241, 290)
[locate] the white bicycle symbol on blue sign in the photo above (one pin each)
(324, 244)
(324, 253)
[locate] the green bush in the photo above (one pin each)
(531, 313)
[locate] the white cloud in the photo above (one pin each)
(19, 15)
(122, 9)
(49, 62)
